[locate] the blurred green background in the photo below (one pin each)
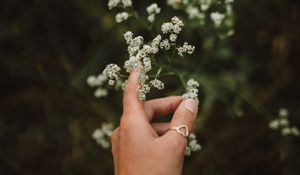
(48, 113)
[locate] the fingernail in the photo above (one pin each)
(191, 105)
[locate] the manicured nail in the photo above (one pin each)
(191, 105)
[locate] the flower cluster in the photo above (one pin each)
(217, 18)
(102, 135)
(193, 145)
(192, 90)
(112, 71)
(123, 16)
(152, 10)
(114, 3)
(98, 81)
(282, 123)
(175, 26)
(186, 48)
(198, 10)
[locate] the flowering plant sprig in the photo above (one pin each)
(143, 55)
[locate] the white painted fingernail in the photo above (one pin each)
(191, 105)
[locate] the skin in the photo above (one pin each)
(141, 147)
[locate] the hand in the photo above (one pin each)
(142, 148)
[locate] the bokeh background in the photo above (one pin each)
(47, 112)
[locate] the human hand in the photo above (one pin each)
(142, 148)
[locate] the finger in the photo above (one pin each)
(160, 128)
(131, 101)
(115, 147)
(161, 106)
(184, 115)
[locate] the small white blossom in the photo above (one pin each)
(295, 131)
(113, 3)
(192, 90)
(193, 145)
(111, 82)
(167, 27)
(128, 37)
(155, 44)
(147, 64)
(172, 27)
(157, 84)
(153, 9)
(205, 4)
(151, 18)
(174, 3)
(194, 13)
(112, 71)
(186, 48)
(286, 131)
(274, 124)
(127, 3)
(165, 44)
(123, 16)
(173, 37)
(102, 135)
(100, 92)
(217, 18)
(228, 1)
(143, 90)
(177, 21)
(283, 112)
(283, 124)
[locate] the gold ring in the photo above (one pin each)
(179, 128)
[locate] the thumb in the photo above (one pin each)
(184, 116)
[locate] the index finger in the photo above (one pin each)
(131, 101)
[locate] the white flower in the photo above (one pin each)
(151, 18)
(113, 3)
(217, 18)
(192, 90)
(100, 92)
(177, 21)
(112, 71)
(173, 37)
(274, 124)
(147, 64)
(155, 44)
(165, 44)
(127, 3)
(172, 27)
(94, 81)
(111, 82)
(102, 135)
(143, 90)
(157, 84)
(194, 13)
(295, 131)
(120, 17)
(167, 27)
(205, 4)
(174, 3)
(283, 112)
(153, 9)
(283, 122)
(186, 48)
(128, 37)
(286, 131)
(191, 84)
(228, 1)
(193, 145)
